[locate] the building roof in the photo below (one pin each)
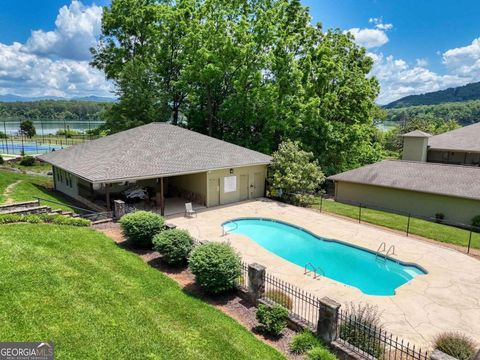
(149, 151)
(417, 134)
(463, 139)
(443, 179)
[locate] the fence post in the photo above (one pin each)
(119, 209)
(408, 224)
(359, 213)
(256, 282)
(469, 241)
(328, 320)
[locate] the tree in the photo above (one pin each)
(294, 171)
(423, 122)
(27, 128)
(252, 72)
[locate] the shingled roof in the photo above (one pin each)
(463, 139)
(417, 134)
(149, 151)
(450, 180)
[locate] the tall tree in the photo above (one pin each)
(253, 72)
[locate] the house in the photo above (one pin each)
(437, 175)
(162, 166)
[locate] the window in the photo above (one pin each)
(229, 184)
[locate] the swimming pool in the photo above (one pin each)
(350, 265)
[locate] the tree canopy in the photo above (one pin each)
(294, 171)
(252, 72)
(27, 128)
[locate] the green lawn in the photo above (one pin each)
(75, 287)
(431, 230)
(29, 187)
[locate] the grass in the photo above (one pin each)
(30, 186)
(37, 168)
(427, 229)
(75, 287)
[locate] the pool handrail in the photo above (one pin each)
(225, 232)
(382, 248)
(314, 269)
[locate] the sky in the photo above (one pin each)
(417, 45)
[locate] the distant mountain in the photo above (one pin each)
(17, 98)
(95, 98)
(458, 94)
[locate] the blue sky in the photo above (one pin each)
(418, 46)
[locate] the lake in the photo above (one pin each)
(49, 127)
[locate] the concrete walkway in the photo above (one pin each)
(446, 299)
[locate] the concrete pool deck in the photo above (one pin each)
(446, 299)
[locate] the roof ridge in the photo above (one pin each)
(429, 163)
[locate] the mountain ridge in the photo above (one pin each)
(455, 94)
(18, 98)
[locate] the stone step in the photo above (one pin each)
(30, 210)
(18, 205)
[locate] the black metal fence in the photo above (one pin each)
(242, 280)
(369, 340)
(302, 306)
(466, 235)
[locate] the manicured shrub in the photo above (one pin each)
(358, 329)
(304, 341)
(216, 266)
(272, 319)
(280, 298)
(27, 161)
(476, 222)
(140, 227)
(175, 245)
(320, 353)
(455, 344)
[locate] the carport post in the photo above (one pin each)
(107, 196)
(161, 197)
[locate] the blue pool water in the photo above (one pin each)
(339, 261)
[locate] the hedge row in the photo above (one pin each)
(56, 219)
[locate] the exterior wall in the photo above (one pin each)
(65, 182)
(423, 204)
(255, 183)
(196, 183)
(450, 157)
(415, 149)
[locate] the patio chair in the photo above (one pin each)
(189, 209)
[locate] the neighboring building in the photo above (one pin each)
(167, 162)
(461, 146)
(437, 174)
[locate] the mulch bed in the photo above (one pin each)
(231, 304)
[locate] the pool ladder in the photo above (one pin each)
(383, 249)
(309, 267)
(225, 232)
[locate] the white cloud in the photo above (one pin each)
(56, 62)
(372, 37)
(369, 38)
(464, 61)
(397, 78)
(77, 29)
(421, 62)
